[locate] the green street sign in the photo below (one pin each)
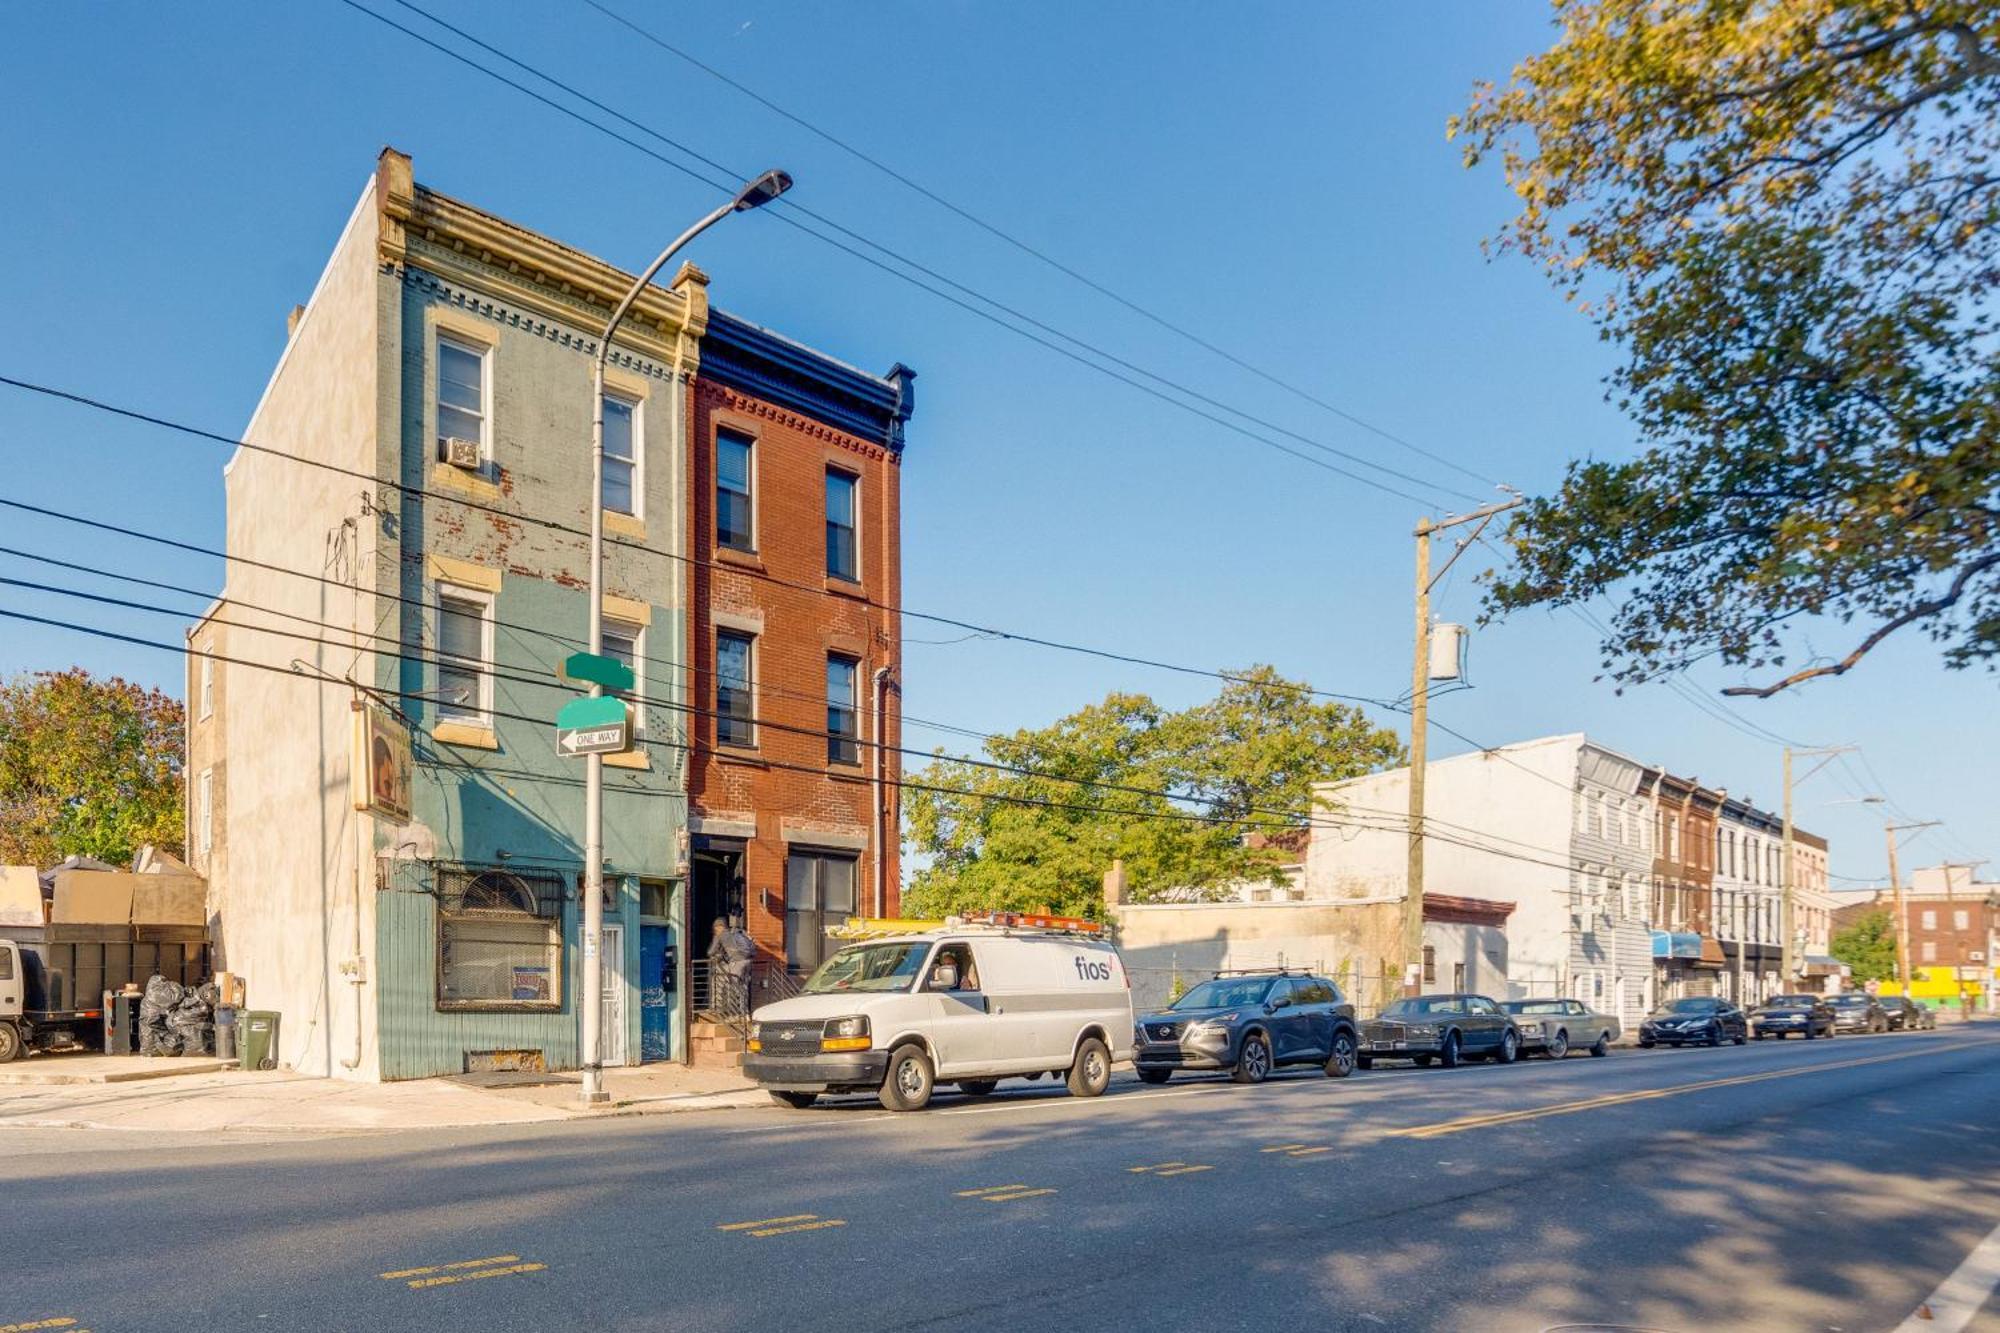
(596, 669)
(594, 726)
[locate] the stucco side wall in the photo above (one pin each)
(287, 909)
(1197, 939)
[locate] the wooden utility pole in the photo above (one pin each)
(1420, 679)
(1789, 944)
(1889, 831)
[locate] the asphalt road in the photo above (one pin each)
(1823, 1185)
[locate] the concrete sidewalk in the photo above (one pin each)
(292, 1103)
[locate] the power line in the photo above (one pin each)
(1021, 245)
(552, 525)
(1232, 422)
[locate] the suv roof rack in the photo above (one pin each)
(1279, 971)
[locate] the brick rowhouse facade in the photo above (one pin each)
(795, 534)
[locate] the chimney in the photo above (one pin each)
(292, 321)
(1114, 886)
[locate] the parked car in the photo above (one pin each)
(1250, 1024)
(968, 1005)
(1557, 1027)
(1782, 1016)
(1905, 1014)
(1856, 1012)
(1698, 1018)
(1445, 1028)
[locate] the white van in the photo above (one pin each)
(968, 1005)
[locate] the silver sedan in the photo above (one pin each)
(1557, 1027)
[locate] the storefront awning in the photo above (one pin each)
(1668, 944)
(1818, 964)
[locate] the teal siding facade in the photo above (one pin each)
(505, 800)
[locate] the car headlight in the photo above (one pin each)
(1423, 1029)
(1527, 1027)
(845, 1034)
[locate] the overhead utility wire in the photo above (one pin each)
(552, 525)
(1324, 820)
(1232, 422)
(415, 654)
(1023, 246)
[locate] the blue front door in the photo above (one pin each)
(655, 994)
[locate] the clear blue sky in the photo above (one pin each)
(1278, 181)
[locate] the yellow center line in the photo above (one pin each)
(802, 1226)
(1017, 1194)
(1157, 1166)
(1444, 1127)
(61, 1321)
(1282, 1147)
(986, 1189)
(418, 1284)
(1307, 1152)
(442, 1268)
(1185, 1170)
(767, 1222)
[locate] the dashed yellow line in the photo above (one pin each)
(440, 1268)
(60, 1321)
(1297, 1149)
(473, 1275)
(766, 1222)
(1459, 1126)
(1002, 1193)
(800, 1226)
(1163, 1169)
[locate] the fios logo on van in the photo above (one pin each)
(1089, 969)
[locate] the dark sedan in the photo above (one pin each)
(1699, 1018)
(1444, 1028)
(1905, 1014)
(1249, 1025)
(1792, 1015)
(1856, 1012)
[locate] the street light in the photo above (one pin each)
(754, 194)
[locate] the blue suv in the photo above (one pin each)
(1250, 1023)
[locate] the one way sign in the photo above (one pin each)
(594, 726)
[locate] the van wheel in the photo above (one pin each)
(1091, 1073)
(10, 1042)
(978, 1087)
(1340, 1061)
(908, 1084)
(1155, 1076)
(798, 1101)
(1253, 1062)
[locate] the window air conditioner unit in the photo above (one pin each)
(462, 454)
(1977, 955)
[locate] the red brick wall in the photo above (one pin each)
(805, 616)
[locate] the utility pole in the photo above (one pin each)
(1889, 832)
(1788, 941)
(1420, 678)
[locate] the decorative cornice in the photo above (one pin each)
(773, 368)
(457, 241)
(721, 395)
(500, 312)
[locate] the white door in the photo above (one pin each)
(612, 978)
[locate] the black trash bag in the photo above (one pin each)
(192, 1008)
(161, 997)
(211, 995)
(159, 1041)
(196, 1038)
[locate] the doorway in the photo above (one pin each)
(612, 1014)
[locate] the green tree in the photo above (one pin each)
(1009, 841)
(87, 767)
(1869, 947)
(1786, 215)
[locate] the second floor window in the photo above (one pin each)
(735, 722)
(1930, 920)
(843, 725)
(733, 518)
(621, 455)
(461, 395)
(842, 558)
(464, 654)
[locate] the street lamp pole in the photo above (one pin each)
(758, 192)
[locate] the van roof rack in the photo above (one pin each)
(857, 927)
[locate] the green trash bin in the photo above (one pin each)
(257, 1038)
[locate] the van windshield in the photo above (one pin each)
(870, 967)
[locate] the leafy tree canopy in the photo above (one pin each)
(87, 767)
(1006, 841)
(1785, 214)
(1869, 947)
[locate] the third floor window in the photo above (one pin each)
(621, 455)
(842, 557)
(733, 515)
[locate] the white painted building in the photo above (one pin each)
(1555, 826)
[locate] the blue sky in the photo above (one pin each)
(1276, 181)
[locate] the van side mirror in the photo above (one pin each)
(944, 977)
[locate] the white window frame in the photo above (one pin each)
(1961, 919)
(207, 680)
(205, 804)
(636, 632)
(482, 715)
(484, 351)
(637, 406)
(1930, 951)
(1930, 919)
